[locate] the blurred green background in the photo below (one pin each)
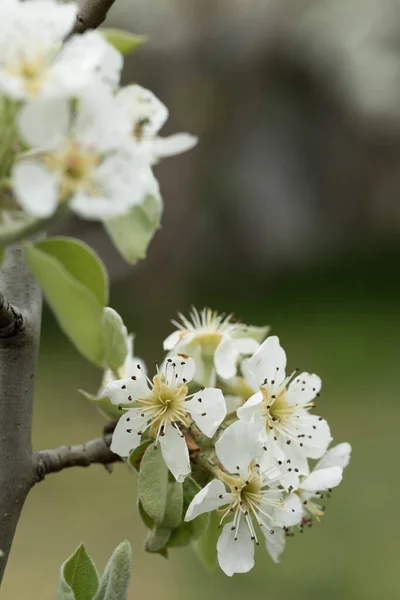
(287, 213)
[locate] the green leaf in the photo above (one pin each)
(185, 533)
(252, 331)
(153, 483)
(78, 577)
(145, 517)
(137, 454)
(157, 539)
(75, 304)
(81, 262)
(174, 506)
(2, 252)
(133, 233)
(115, 338)
(114, 582)
(124, 41)
(206, 545)
(103, 405)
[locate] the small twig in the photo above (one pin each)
(11, 320)
(83, 455)
(91, 14)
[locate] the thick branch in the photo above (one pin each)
(18, 356)
(91, 14)
(11, 320)
(96, 451)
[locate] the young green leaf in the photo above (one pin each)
(153, 483)
(206, 545)
(174, 505)
(124, 41)
(133, 233)
(137, 454)
(114, 582)
(78, 577)
(82, 263)
(252, 331)
(73, 299)
(103, 405)
(157, 540)
(115, 338)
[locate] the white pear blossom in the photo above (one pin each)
(32, 61)
(147, 114)
(164, 407)
(253, 499)
(280, 408)
(80, 156)
(327, 474)
(214, 340)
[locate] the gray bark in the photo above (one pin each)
(91, 14)
(83, 455)
(18, 356)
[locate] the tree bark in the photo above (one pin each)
(18, 358)
(94, 452)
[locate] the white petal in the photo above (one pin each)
(207, 409)
(322, 479)
(175, 453)
(128, 432)
(97, 207)
(44, 122)
(172, 340)
(303, 389)
(225, 358)
(126, 391)
(179, 368)
(275, 543)
(252, 410)
(317, 435)
(237, 447)
(171, 145)
(235, 556)
(246, 345)
(125, 180)
(208, 499)
(84, 57)
(291, 513)
(269, 362)
(338, 456)
(249, 376)
(143, 108)
(99, 123)
(35, 187)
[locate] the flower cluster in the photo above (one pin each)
(79, 138)
(257, 458)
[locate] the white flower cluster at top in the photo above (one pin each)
(259, 455)
(80, 138)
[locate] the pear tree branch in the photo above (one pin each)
(83, 455)
(91, 14)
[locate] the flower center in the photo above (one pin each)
(164, 405)
(275, 407)
(31, 69)
(77, 166)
